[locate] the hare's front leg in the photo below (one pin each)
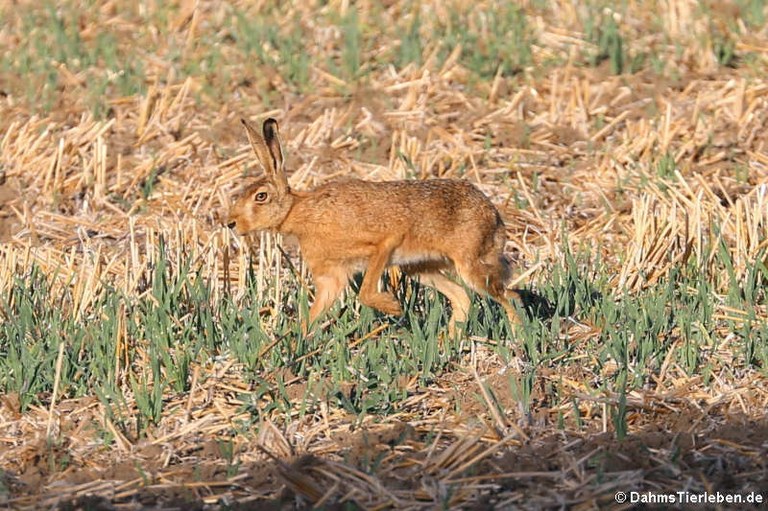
(369, 292)
(328, 287)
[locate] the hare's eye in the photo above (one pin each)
(260, 197)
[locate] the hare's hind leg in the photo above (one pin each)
(430, 274)
(514, 317)
(369, 292)
(489, 275)
(455, 293)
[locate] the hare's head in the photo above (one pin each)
(265, 204)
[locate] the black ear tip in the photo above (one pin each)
(243, 121)
(270, 127)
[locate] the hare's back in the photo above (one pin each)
(436, 208)
(449, 199)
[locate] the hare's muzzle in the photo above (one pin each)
(230, 220)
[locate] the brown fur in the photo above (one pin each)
(346, 227)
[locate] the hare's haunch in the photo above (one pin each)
(427, 228)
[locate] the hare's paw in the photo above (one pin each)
(456, 328)
(384, 302)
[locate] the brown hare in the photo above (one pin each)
(426, 228)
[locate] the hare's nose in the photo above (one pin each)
(231, 225)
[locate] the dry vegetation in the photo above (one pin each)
(627, 151)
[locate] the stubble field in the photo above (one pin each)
(150, 358)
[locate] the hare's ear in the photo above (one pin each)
(264, 154)
(272, 138)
